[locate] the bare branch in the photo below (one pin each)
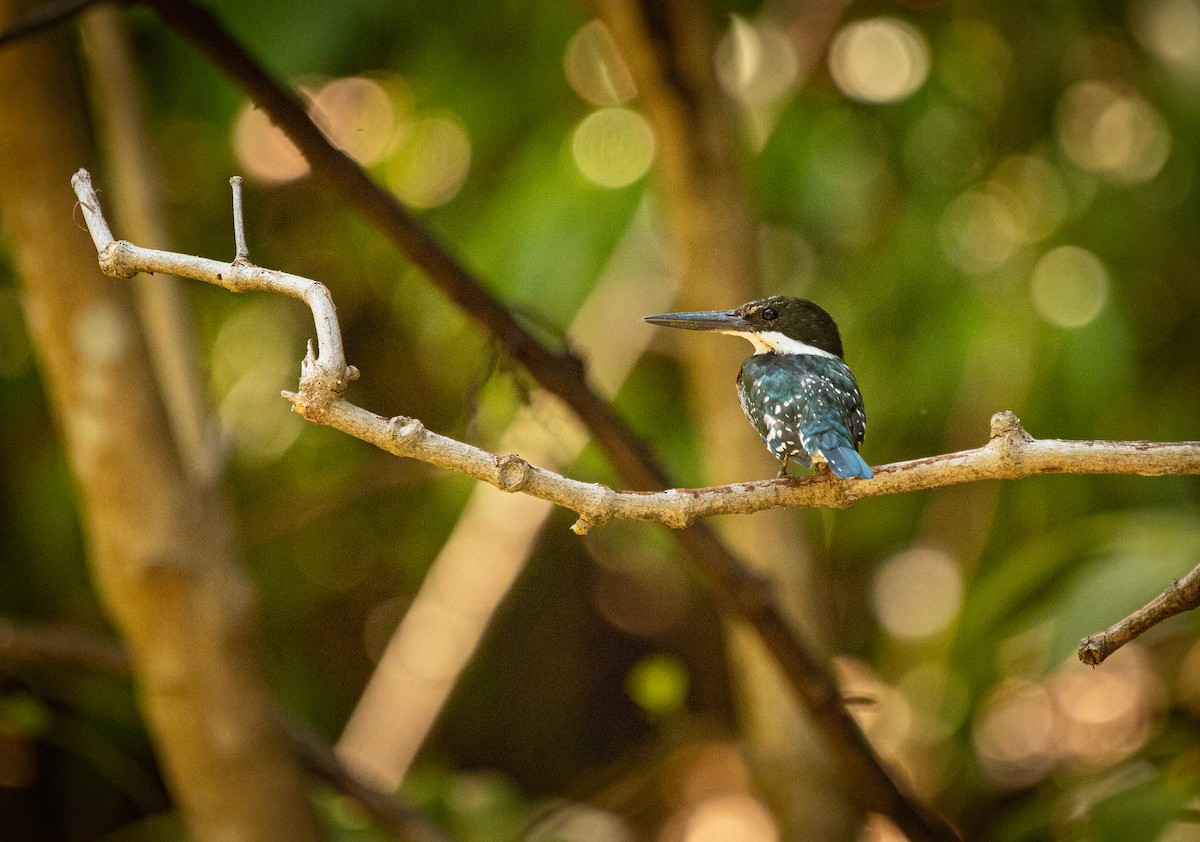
(1180, 596)
(326, 374)
(1010, 454)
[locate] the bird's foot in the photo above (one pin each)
(782, 469)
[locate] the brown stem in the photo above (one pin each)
(1180, 596)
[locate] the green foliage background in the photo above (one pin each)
(545, 709)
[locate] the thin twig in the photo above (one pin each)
(241, 251)
(77, 648)
(1180, 596)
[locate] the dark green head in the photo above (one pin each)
(777, 325)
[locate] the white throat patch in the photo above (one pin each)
(774, 342)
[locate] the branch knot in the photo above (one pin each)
(513, 472)
(114, 260)
(406, 430)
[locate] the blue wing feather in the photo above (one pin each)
(806, 406)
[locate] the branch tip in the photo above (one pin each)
(1092, 650)
(582, 526)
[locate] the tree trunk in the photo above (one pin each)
(162, 549)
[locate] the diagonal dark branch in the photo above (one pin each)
(60, 645)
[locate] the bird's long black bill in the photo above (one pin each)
(704, 320)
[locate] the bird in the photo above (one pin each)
(796, 388)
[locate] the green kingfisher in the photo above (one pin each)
(796, 389)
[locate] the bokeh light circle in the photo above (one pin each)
(613, 147)
(879, 60)
(594, 67)
(979, 230)
(1069, 286)
(1113, 132)
(917, 592)
(357, 115)
(263, 151)
(430, 167)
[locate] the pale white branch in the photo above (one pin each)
(323, 377)
(1011, 453)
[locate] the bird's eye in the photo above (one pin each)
(769, 314)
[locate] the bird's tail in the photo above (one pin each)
(845, 463)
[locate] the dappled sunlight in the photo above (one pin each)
(756, 62)
(253, 419)
(879, 60)
(425, 155)
(1106, 715)
(880, 829)
(581, 823)
(724, 818)
(758, 66)
(254, 354)
(980, 230)
(430, 166)
(358, 116)
(1036, 193)
(1015, 733)
(1024, 200)
(880, 709)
